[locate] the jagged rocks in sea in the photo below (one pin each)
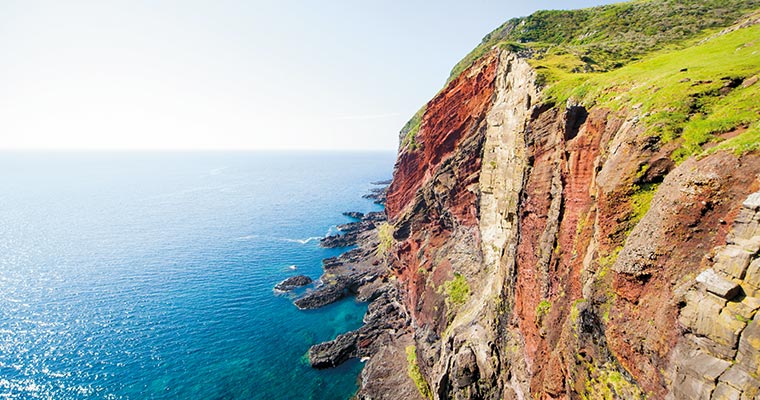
(337, 241)
(378, 195)
(293, 282)
(354, 214)
(353, 232)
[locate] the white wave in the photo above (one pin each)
(302, 241)
(247, 237)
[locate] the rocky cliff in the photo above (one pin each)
(573, 215)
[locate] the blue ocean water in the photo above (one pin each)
(149, 275)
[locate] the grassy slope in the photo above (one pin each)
(595, 54)
(608, 37)
(694, 105)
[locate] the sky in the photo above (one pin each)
(225, 74)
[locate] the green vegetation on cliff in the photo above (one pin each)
(608, 37)
(457, 290)
(385, 236)
(414, 372)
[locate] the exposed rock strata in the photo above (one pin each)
(550, 251)
(530, 203)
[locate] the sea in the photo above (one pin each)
(149, 275)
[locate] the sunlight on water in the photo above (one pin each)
(150, 275)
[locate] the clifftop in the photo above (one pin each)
(608, 37)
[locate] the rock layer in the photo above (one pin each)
(558, 251)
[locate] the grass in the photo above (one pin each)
(457, 290)
(542, 309)
(413, 369)
(385, 234)
(683, 95)
(411, 128)
(641, 200)
(608, 37)
(609, 385)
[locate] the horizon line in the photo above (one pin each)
(191, 150)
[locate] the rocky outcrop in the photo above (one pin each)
(292, 283)
(354, 232)
(384, 320)
(718, 356)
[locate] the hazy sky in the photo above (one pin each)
(222, 74)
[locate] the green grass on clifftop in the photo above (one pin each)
(693, 94)
(608, 37)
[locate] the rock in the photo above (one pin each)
(375, 216)
(753, 274)
(749, 81)
(744, 309)
(465, 368)
(749, 348)
(293, 282)
(700, 310)
(335, 352)
(739, 379)
(353, 231)
(725, 392)
(356, 226)
(383, 318)
(689, 387)
(753, 201)
(751, 245)
(707, 367)
(336, 241)
(657, 170)
(354, 214)
(379, 195)
(704, 314)
(733, 261)
(718, 285)
(323, 295)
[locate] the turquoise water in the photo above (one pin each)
(150, 275)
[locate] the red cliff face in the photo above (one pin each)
(432, 199)
(585, 288)
(450, 118)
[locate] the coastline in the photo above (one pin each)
(362, 271)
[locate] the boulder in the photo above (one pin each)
(752, 276)
(335, 352)
(354, 214)
(293, 282)
(726, 392)
(717, 284)
(733, 261)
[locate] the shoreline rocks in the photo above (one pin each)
(382, 322)
(292, 283)
(361, 272)
(353, 232)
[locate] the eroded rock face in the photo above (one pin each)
(718, 357)
(524, 268)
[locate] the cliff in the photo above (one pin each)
(573, 215)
